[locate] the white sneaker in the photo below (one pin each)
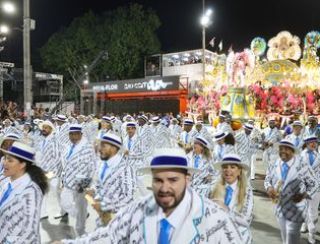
(304, 228)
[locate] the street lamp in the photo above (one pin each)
(205, 21)
(8, 7)
(4, 29)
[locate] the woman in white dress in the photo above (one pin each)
(21, 193)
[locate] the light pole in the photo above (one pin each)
(27, 72)
(205, 21)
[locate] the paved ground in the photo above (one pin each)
(264, 227)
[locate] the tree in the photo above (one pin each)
(127, 34)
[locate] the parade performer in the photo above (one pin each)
(114, 187)
(223, 125)
(245, 144)
(78, 171)
(143, 128)
(127, 118)
(21, 194)
(270, 138)
(6, 143)
(90, 129)
(175, 129)
(160, 132)
(257, 140)
(27, 133)
(187, 135)
(116, 125)
(224, 144)
(234, 193)
(9, 128)
(201, 158)
(62, 129)
(289, 182)
(173, 214)
(49, 159)
(312, 127)
(296, 137)
(200, 130)
(145, 132)
(106, 126)
(311, 157)
(135, 147)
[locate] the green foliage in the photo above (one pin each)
(127, 34)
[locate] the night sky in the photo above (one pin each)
(236, 22)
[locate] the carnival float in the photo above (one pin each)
(275, 77)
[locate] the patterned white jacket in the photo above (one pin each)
(20, 213)
(300, 179)
(81, 164)
(206, 222)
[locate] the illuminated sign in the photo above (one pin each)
(158, 84)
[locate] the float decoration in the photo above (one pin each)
(255, 82)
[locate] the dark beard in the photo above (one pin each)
(105, 158)
(176, 203)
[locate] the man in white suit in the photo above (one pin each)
(174, 213)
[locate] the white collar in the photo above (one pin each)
(234, 185)
(177, 217)
(290, 162)
(114, 160)
(132, 138)
(21, 182)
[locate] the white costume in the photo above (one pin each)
(20, 212)
(313, 161)
(78, 171)
(202, 221)
(272, 136)
(299, 179)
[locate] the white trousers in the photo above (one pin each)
(252, 166)
(290, 231)
(54, 186)
(312, 214)
(81, 213)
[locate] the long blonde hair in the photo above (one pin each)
(219, 189)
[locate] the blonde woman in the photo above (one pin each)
(234, 194)
(200, 158)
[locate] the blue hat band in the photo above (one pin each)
(111, 140)
(287, 144)
(219, 136)
(144, 118)
(22, 153)
(74, 129)
(169, 161)
(312, 139)
(232, 159)
(131, 125)
(188, 123)
(201, 141)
